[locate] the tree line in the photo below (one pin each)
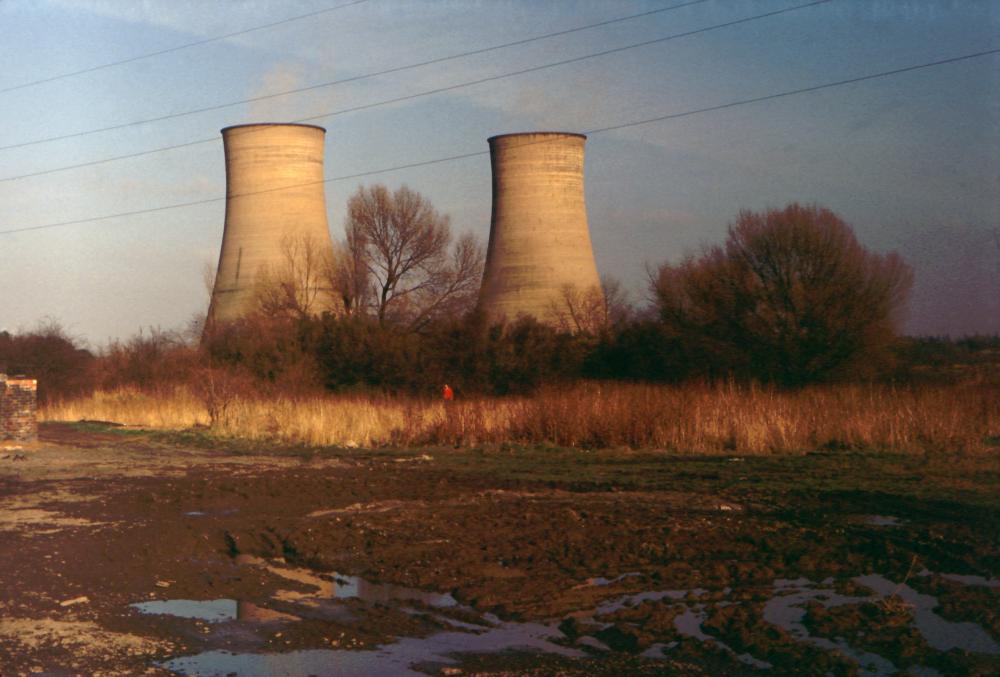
(789, 298)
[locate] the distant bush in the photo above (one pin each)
(527, 354)
(945, 360)
(151, 359)
(640, 350)
(278, 352)
(359, 351)
(47, 353)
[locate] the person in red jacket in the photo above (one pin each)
(447, 393)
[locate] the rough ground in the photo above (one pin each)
(95, 519)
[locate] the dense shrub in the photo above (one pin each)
(639, 351)
(526, 354)
(471, 357)
(358, 351)
(47, 353)
(151, 359)
(278, 352)
(944, 360)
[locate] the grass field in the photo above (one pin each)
(698, 419)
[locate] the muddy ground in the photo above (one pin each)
(543, 561)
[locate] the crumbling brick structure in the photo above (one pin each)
(18, 409)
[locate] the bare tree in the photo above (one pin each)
(208, 272)
(453, 290)
(348, 273)
(403, 263)
(300, 285)
(791, 297)
(593, 311)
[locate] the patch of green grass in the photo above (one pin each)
(809, 487)
(935, 482)
(102, 427)
(207, 439)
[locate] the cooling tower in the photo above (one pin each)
(539, 241)
(275, 212)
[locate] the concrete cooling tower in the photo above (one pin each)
(275, 210)
(539, 240)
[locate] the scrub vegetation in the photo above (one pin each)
(783, 339)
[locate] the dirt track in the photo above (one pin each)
(537, 543)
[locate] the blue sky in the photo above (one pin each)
(911, 161)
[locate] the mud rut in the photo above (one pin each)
(629, 563)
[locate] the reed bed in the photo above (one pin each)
(697, 419)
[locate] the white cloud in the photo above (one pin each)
(281, 77)
(194, 17)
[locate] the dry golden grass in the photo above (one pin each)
(173, 408)
(689, 419)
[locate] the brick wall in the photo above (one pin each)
(18, 407)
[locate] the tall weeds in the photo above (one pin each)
(699, 419)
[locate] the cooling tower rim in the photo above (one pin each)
(272, 124)
(505, 136)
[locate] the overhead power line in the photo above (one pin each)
(438, 90)
(178, 48)
(355, 78)
(802, 90)
(463, 156)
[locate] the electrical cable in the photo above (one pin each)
(439, 90)
(178, 48)
(462, 156)
(355, 78)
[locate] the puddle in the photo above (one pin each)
(973, 580)
(346, 587)
(786, 609)
(338, 586)
(658, 650)
(941, 634)
(650, 596)
(601, 581)
(491, 636)
(389, 659)
(791, 582)
(964, 579)
(247, 611)
(689, 623)
(326, 587)
(393, 658)
(593, 643)
(882, 520)
(212, 610)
